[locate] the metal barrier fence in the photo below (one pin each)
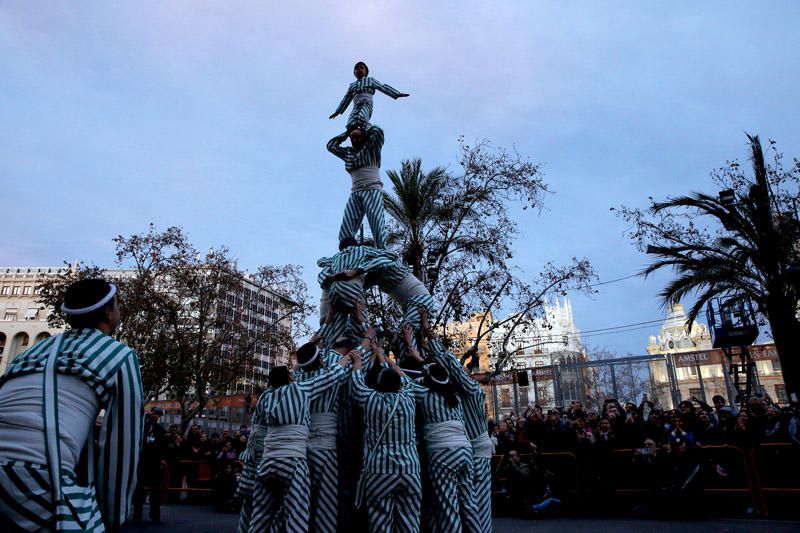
(766, 473)
(760, 475)
(666, 380)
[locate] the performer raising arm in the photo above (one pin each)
(362, 160)
(473, 401)
(390, 481)
(313, 361)
(280, 494)
(449, 452)
(360, 92)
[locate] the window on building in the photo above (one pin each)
(27, 289)
(2, 343)
(6, 290)
(10, 314)
(780, 394)
(696, 393)
(776, 365)
(17, 290)
(32, 313)
(505, 397)
(693, 371)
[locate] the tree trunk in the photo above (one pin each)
(786, 334)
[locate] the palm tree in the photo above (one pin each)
(415, 205)
(751, 255)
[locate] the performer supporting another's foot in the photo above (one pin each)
(361, 267)
(281, 485)
(390, 484)
(473, 401)
(448, 451)
(313, 361)
(363, 161)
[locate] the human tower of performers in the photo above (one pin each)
(336, 434)
(348, 429)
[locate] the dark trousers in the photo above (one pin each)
(150, 479)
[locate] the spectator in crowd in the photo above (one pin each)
(521, 482)
(682, 436)
(225, 482)
(215, 444)
(506, 440)
(227, 455)
(772, 429)
(240, 443)
(151, 472)
(794, 426)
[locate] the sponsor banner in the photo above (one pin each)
(761, 352)
(705, 357)
(216, 402)
(543, 373)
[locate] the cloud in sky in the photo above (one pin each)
(213, 115)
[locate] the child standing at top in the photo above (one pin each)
(360, 93)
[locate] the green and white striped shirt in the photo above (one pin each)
(396, 453)
(473, 399)
(365, 85)
(111, 369)
(368, 156)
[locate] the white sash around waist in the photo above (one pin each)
(442, 435)
(362, 98)
(323, 431)
(288, 440)
(482, 446)
(366, 178)
(253, 452)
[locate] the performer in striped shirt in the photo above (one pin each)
(364, 267)
(448, 451)
(50, 398)
(313, 361)
(390, 484)
(473, 401)
(342, 281)
(360, 92)
(280, 498)
(362, 160)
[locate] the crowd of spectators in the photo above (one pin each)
(200, 461)
(663, 446)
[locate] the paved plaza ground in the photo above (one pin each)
(204, 519)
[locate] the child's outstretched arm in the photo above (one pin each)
(348, 97)
(388, 90)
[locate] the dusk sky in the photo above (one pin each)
(213, 116)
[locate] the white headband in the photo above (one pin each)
(84, 310)
(311, 360)
(445, 382)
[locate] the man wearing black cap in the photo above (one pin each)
(150, 467)
(312, 361)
